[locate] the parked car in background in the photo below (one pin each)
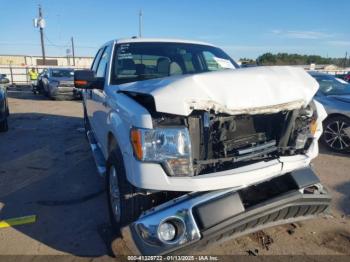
(334, 94)
(347, 78)
(57, 83)
(4, 109)
(5, 81)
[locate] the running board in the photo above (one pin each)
(97, 153)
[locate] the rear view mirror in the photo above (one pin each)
(86, 79)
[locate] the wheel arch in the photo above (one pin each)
(112, 142)
(332, 115)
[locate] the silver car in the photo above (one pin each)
(58, 83)
(334, 95)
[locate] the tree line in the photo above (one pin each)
(295, 59)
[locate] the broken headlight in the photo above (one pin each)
(169, 146)
(305, 127)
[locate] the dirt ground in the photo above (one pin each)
(47, 170)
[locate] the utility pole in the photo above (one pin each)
(345, 59)
(40, 22)
(140, 23)
(41, 26)
(73, 53)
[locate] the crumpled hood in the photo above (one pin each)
(242, 91)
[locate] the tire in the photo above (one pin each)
(40, 88)
(86, 122)
(45, 92)
(124, 203)
(4, 125)
(334, 136)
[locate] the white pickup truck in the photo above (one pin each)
(196, 150)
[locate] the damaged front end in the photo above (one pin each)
(221, 142)
(245, 161)
(229, 126)
(198, 219)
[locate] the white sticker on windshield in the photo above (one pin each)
(224, 63)
(124, 56)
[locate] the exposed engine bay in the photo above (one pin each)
(221, 142)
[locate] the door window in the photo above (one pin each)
(102, 66)
(96, 60)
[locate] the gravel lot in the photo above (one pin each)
(46, 169)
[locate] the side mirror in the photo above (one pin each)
(86, 79)
(4, 81)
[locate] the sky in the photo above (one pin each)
(243, 28)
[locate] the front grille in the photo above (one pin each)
(221, 142)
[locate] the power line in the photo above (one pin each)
(52, 44)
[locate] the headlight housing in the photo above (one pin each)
(169, 146)
(305, 127)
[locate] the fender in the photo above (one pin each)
(122, 117)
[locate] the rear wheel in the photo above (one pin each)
(335, 136)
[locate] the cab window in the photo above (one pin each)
(102, 65)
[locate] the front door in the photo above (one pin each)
(97, 100)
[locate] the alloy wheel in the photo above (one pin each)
(335, 135)
(114, 193)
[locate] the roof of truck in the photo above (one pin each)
(162, 40)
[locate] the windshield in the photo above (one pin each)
(62, 73)
(141, 61)
(330, 85)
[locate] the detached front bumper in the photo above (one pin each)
(203, 218)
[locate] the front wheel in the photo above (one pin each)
(124, 202)
(335, 136)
